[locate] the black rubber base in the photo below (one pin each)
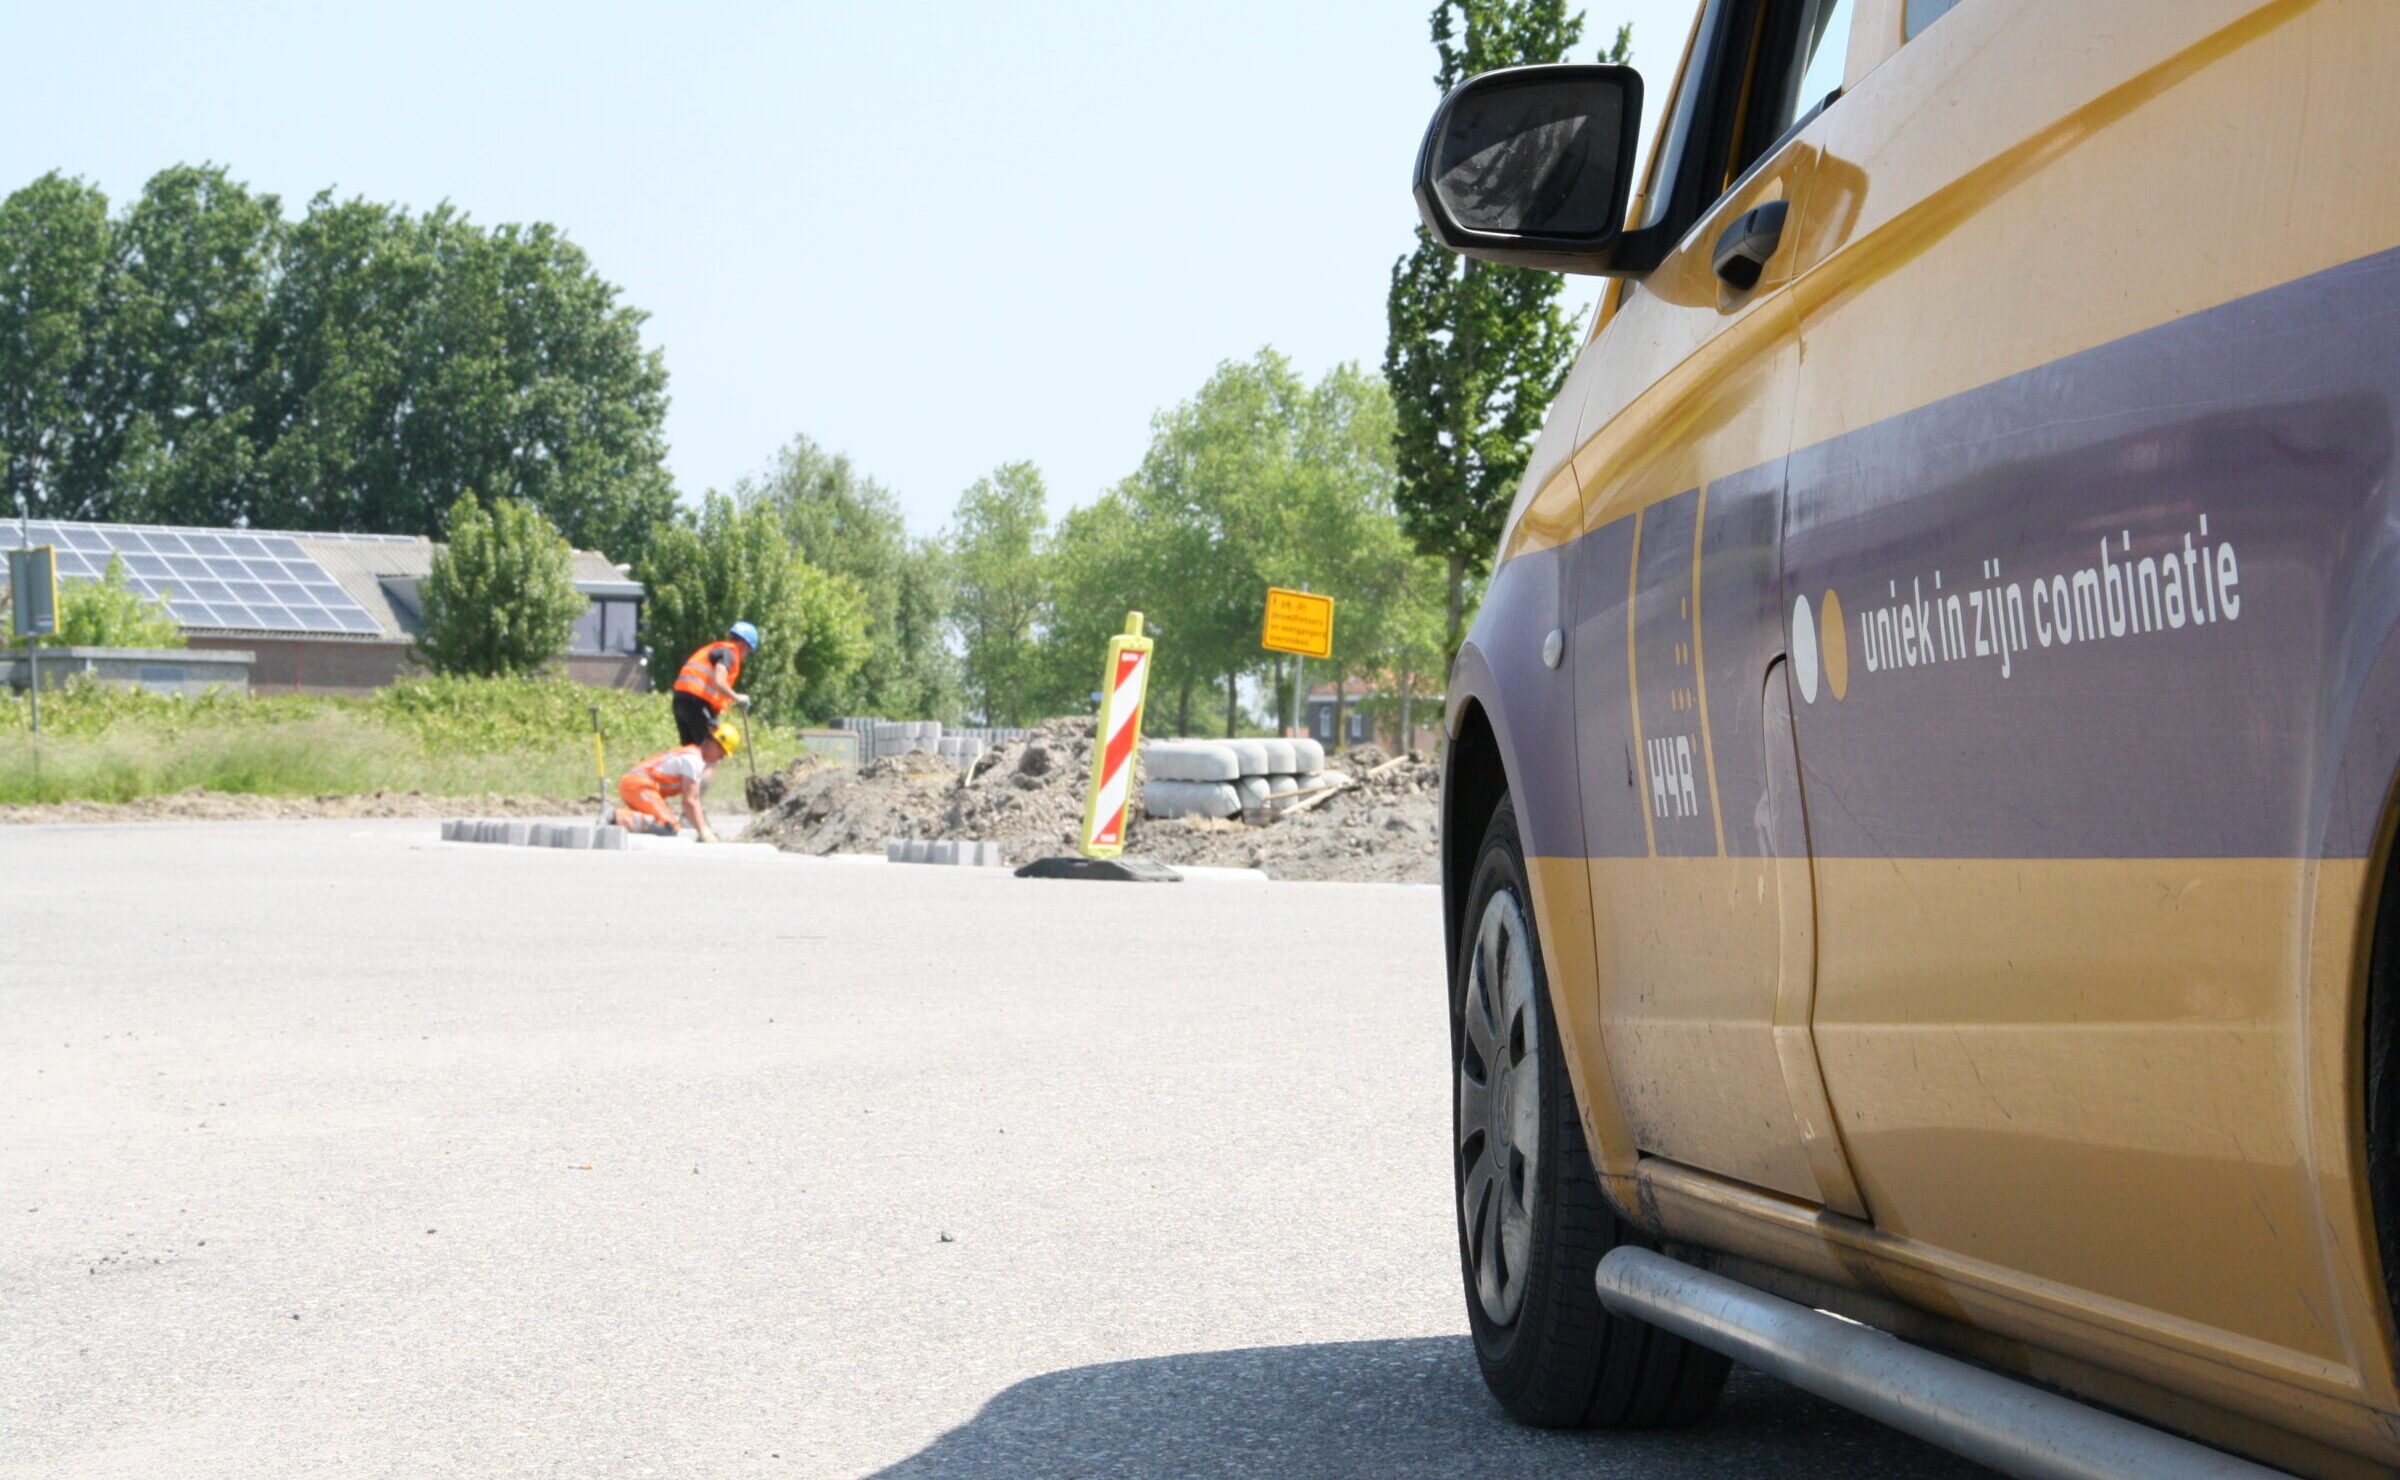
(1118, 870)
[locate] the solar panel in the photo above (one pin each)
(217, 578)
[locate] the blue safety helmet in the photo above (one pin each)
(746, 633)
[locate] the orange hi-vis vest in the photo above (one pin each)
(673, 772)
(699, 676)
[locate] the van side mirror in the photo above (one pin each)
(1533, 166)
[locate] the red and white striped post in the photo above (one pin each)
(1119, 734)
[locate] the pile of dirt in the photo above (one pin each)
(197, 805)
(1027, 796)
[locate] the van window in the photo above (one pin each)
(1758, 68)
(1677, 141)
(1802, 47)
(1825, 49)
(1923, 13)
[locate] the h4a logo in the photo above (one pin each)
(1672, 792)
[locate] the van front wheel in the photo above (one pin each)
(1532, 1223)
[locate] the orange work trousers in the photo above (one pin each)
(642, 796)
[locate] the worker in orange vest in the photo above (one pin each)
(682, 773)
(706, 684)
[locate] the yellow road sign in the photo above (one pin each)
(1298, 622)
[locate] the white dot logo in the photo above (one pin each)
(1804, 649)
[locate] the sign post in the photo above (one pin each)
(33, 610)
(1299, 623)
(1115, 739)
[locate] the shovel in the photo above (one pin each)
(750, 749)
(608, 814)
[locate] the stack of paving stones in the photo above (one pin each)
(879, 739)
(1225, 778)
(928, 850)
(534, 834)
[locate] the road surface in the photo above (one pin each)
(331, 1150)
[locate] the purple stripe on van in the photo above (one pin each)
(2126, 604)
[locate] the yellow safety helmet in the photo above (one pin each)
(727, 736)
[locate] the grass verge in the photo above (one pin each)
(442, 736)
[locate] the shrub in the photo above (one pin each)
(736, 565)
(109, 613)
(501, 599)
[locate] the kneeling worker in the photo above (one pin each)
(704, 685)
(682, 772)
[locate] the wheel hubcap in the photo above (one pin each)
(1499, 1108)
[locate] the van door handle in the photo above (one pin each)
(1744, 247)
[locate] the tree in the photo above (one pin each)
(735, 564)
(1259, 479)
(179, 354)
(201, 360)
(501, 598)
(997, 546)
(1476, 352)
(110, 613)
(845, 523)
(53, 259)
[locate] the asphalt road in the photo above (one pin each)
(326, 1149)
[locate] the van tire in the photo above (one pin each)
(1550, 1353)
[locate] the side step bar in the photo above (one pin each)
(2012, 1427)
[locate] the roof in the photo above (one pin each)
(225, 582)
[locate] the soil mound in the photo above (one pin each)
(1027, 795)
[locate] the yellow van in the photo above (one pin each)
(1920, 784)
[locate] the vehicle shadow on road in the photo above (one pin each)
(1395, 1410)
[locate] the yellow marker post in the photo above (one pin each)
(1119, 734)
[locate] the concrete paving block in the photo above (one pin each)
(895, 850)
(942, 851)
(1282, 757)
(1308, 755)
(1190, 760)
(1190, 799)
(611, 838)
(519, 834)
(916, 850)
(1253, 791)
(1253, 755)
(450, 828)
(1282, 784)
(987, 855)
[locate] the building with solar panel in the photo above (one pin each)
(323, 613)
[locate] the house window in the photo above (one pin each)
(1358, 729)
(1324, 724)
(606, 626)
(617, 631)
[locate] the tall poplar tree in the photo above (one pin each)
(1476, 351)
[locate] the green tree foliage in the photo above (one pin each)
(735, 563)
(1261, 479)
(201, 359)
(501, 598)
(1476, 352)
(847, 524)
(998, 560)
(54, 248)
(110, 613)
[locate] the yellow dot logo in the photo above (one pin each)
(1836, 654)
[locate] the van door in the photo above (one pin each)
(2072, 511)
(1684, 400)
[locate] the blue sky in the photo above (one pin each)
(938, 237)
